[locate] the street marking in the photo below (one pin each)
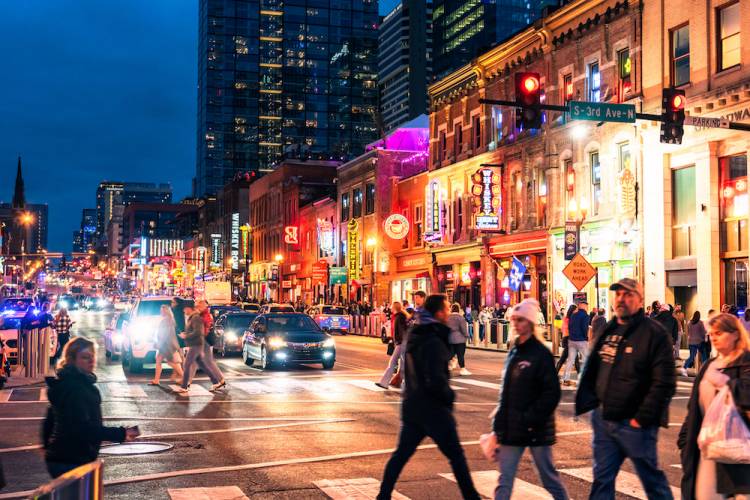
(264, 401)
(193, 390)
(43, 394)
(188, 419)
(370, 386)
(485, 482)
(21, 448)
(676, 466)
(478, 383)
(213, 493)
(626, 483)
(5, 395)
(365, 488)
(123, 390)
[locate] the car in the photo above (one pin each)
(10, 324)
(67, 301)
(139, 332)
(16, 304)
(93, 303)
(276, 308)
(113, 336)
(229, 329)
(249, 306)
(287, 338)
(331, 318)
(217, 311)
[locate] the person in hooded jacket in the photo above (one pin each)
(525, 416)
(73, 430)
(427, 407)
(667, 320)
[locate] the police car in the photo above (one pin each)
(333, 319)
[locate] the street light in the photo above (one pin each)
(371, 243)
(279, 259)
(27, 219)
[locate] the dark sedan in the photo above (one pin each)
(287, 338)
(229, 330)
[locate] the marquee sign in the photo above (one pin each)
(247, 249)
(396, 226)
(352, 250)
(235, 241)
(486, 190)
(433, 214)
(216, 250)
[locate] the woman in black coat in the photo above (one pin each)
(703, 478)
(73, 430)
(525, 415)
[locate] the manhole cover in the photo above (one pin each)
(134, 448)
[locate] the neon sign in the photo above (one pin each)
(235, 241)
(352, 249)
(291, 235)
(215, 250)
(325, 236)
(486, 192)
(433, 214)
(396, 226)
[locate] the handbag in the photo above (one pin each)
(724, 437)
(391, 348)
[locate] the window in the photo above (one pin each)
(734, 203)
(442, 146)
(567, 88)
(369, 199)
(683, 211)
(542, 193)
(345, 207)
(458, 215)
(623, 156)
(515, 200)
(728, 18)
(594, 82)
(570, 182)
(477, 131)
(357, 203)
(624, 69)
(418, 226)
(458, 139)
(596, 182)
(497, 126)
(680, 55)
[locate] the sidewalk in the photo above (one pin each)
(17, 379)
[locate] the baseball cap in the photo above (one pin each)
(419, 293)
(582, 301)
(628, 284)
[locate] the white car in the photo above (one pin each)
(10, 323)
(139, 332)
(276, 308)
(113, 337)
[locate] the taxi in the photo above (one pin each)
(331, 318)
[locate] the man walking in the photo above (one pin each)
(578, 339)
(194, 340)
(628, 382)
(427, 408)
(211, 368)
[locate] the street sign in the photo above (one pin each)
(706, 122)
(579, 271)
(602, 112)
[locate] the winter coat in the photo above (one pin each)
(427, 391)
(528, 398)
(730, 478)
(73, 430)
(62, 324)
(696, 333)
(459, 329)
(195, 330)
(642, 379)
(669, 323)
(598, 324)
(399, 328)
(578, 326)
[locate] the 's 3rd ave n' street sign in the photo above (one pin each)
(602, 112)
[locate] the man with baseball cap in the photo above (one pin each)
(628, 382)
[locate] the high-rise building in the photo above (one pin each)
(37, 235)
(463, 29)
(281, 80)
(110, 195)
(404, 62)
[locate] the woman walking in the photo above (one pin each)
(178, 313)
(62, 325)
(525, 414)
(167, 348)
(696, 336)
(73, 431)
(565, 334)
(398, 329)
(458, 337)
(704, 479)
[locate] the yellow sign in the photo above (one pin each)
(579, 271)
(352, 250)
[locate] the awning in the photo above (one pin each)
(519, 244)
(461, 256)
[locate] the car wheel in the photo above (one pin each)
(136, 365)
(246, 358)
(328, 365)
(265, 363)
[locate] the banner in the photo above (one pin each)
(571, 240)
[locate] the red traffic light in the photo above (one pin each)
(678, 102)
(530, 84)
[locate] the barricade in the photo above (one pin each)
(34, 350)
(82, 483)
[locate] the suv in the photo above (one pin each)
(276, 308)
(139, 332)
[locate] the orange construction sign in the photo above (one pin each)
(579, 271)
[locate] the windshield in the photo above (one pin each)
(10, 323)
(152, 307)
(239, 321)
(334, 310)
(287, 323)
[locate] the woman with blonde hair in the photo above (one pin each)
(73, 430)
(167, 347)
(702, 478)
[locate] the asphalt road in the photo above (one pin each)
(299, 433)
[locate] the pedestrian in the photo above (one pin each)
(667, 320)
(485, 317)
(629, 402)
(167, 348)
(458, 337)
(427, 407)
(578, 340)
(745, 319)
(696, 337)
(679, 317)
(418, 298)
(398, 333)
(62, 325)
(73, 431)
(702, 478)
(598, 323)
(565, 338)
(212, 369)
(194, 338)
(178, 313)
(525, 414)
(655, 309)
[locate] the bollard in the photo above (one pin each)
(475, 336)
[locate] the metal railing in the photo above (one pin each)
(82, 483)
(34, 350)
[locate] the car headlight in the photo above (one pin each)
(276, 342)
(117, 338)
(329, 343)
(230, 336)
(102, 303)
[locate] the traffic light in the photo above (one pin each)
(529, 112)
(672, 115)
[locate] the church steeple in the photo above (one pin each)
(19, 197)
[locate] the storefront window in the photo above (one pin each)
(734, 203)
(683, 212)
(735, 277)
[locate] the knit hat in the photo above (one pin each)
(526, 309)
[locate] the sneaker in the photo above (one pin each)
(464, 371)
(683, 372)
(181, 391)
(220, 385)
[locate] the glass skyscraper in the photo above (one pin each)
(282, 79)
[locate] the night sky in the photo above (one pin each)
(93, 90)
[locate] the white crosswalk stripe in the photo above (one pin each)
(124, 390)
(195, 390)
(43, 394)
(627, 483)
(5, 395)
(365, 488)
(485, 482)
(212, 493)
(477, 383)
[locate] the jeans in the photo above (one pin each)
(564, 357)
(441, 427)
(613, 442)
(211, 368)
(459, 350)
(196, 358)
(397, 356)
(508, 458)
(695, 349)
(57, 469)
(574, 347)
(677, 345)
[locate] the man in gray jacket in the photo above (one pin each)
(194, 338)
